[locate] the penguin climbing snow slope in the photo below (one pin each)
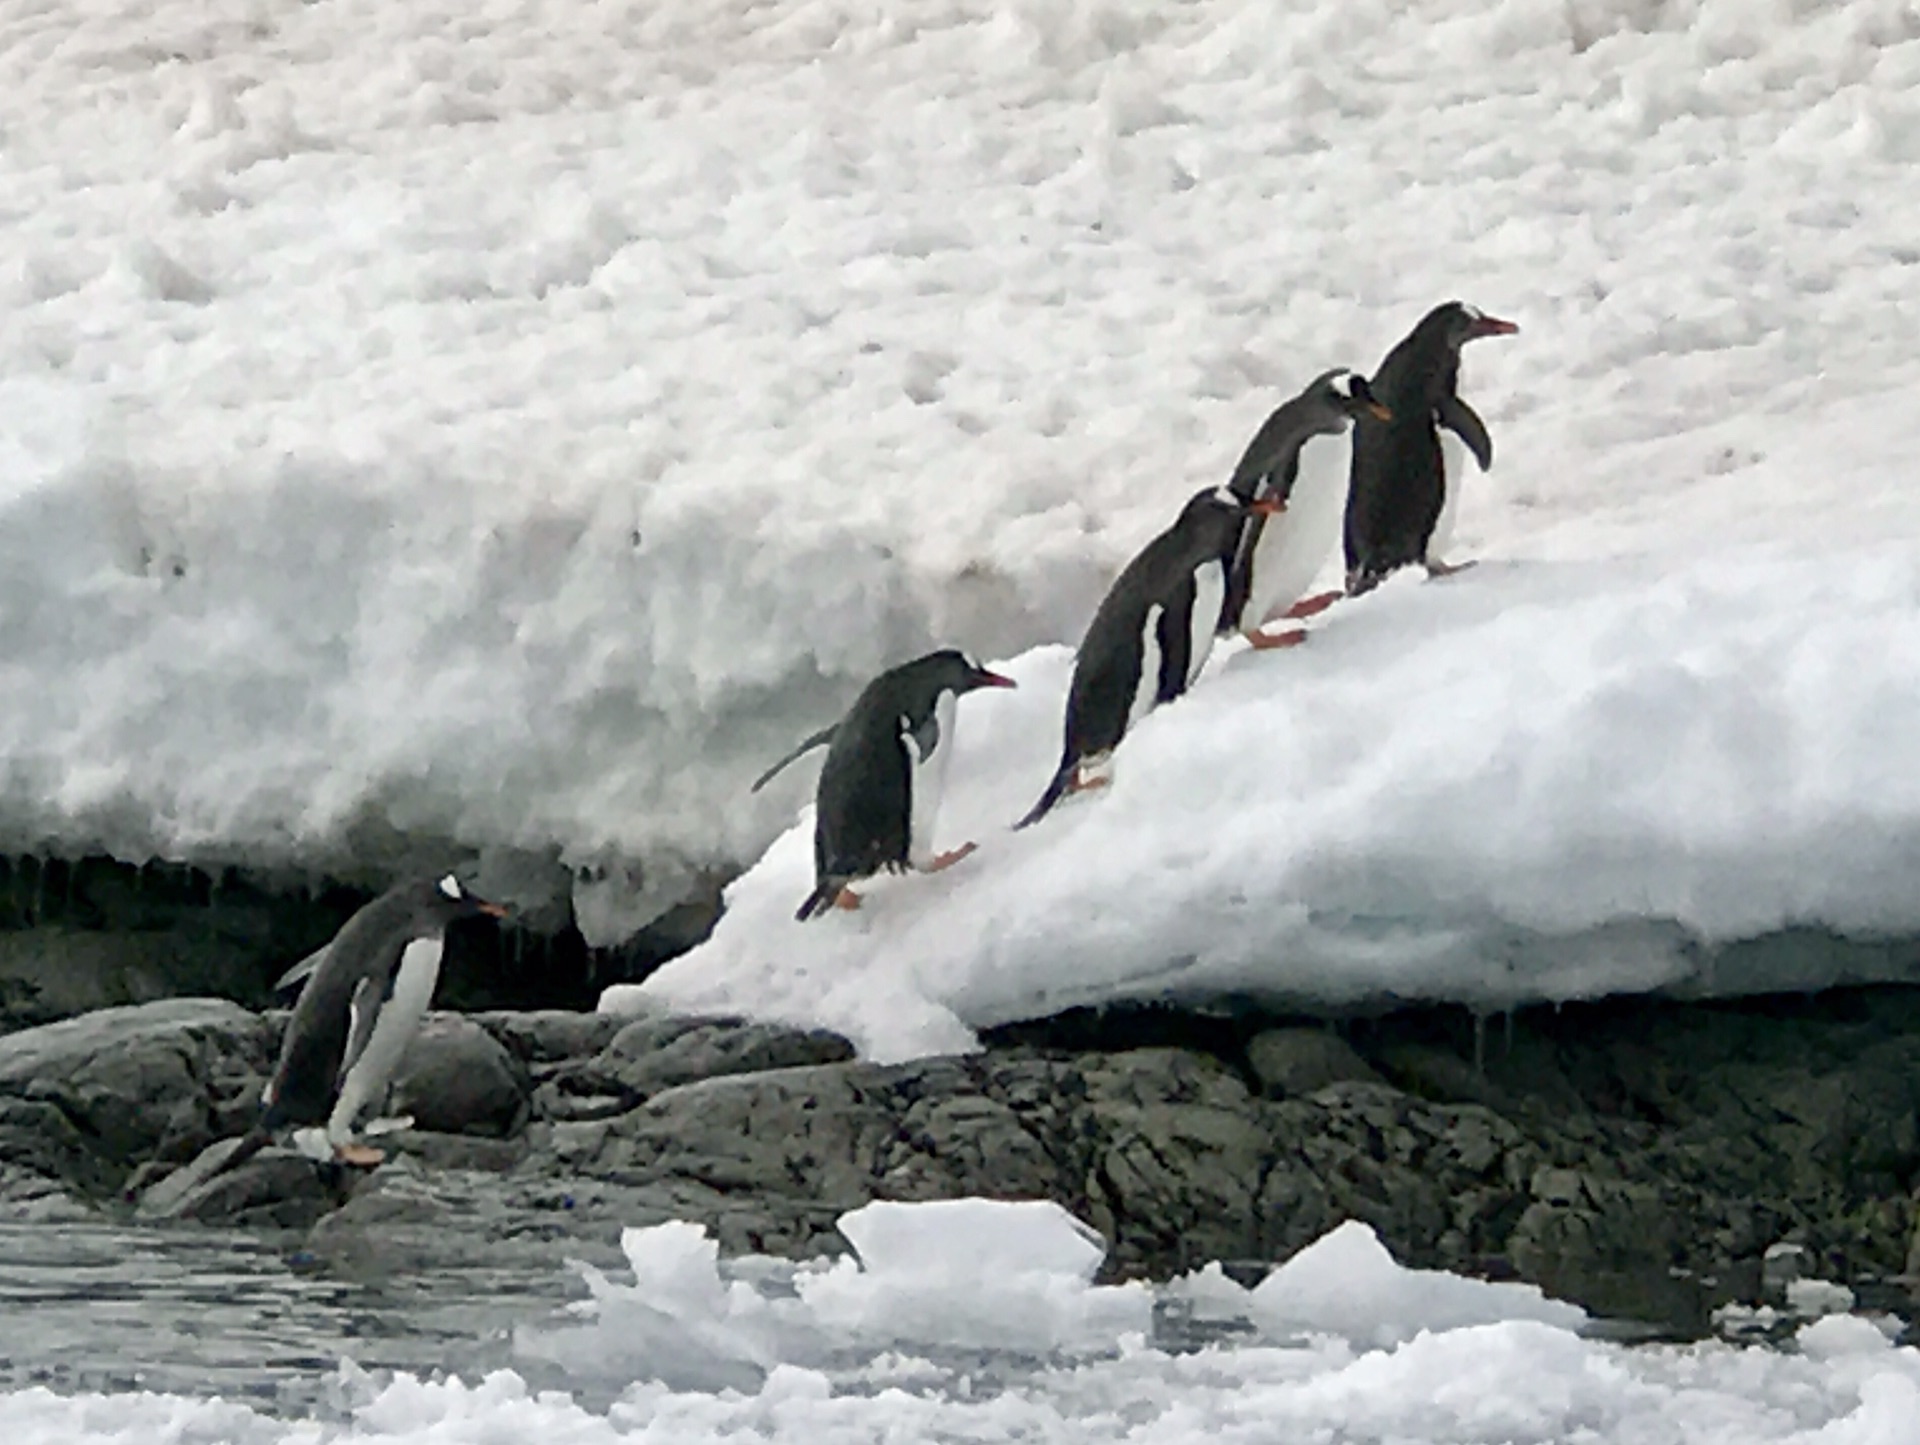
(364, 997)
(1151, 635)
(1407, 472)
(879, 789)
(1275, 559)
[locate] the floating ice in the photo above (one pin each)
(1345, 1283)
(975, 1273)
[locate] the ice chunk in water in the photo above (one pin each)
(1345, 1283)
(972, 1238)
(975, 1274)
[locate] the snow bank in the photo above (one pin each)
(1526, 782)
(424, 427)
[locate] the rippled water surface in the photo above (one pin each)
(98, 1307)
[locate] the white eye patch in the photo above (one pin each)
(450, 886)
(1474, 313)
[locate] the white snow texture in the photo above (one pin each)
(427, 427)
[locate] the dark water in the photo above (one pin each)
(86, 1307)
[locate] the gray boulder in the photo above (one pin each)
(107, 1091)
(457, 1078)
(1290, 1062)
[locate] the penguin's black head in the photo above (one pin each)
(446, 898)
(951, 670)
(1345, 396)
(1460, 323)
(1212, 517)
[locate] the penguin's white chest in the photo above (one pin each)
(1209, 591)
(1146, 687)
(927, 780)
(1295, 545)
(366, 1078)
(1455, 459)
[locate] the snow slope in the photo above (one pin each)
(508, 427)
(1540, 780)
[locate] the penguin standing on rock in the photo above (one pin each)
(1275, 559)
(1407, 472)
(365, 995)
(1151, 635)
(879, 789)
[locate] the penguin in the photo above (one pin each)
(879, 789)
(364, 996)
(1407, 472)
(1273, 561)
(1150, 636)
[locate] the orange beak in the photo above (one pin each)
(1380, 412)
(492, 910)
(1266, 506)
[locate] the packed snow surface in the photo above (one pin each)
(1339, 1344)
(510, 427)
(1540, 780)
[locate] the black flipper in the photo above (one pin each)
(805, 746)
(1464, 422)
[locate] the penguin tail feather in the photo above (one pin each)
(821, 899)
(1056, 790)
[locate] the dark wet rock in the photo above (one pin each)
(650, 1055)
(1637, 1156)
(1290, 1062)
(274, 1188)
(549, 1036)
(129, 1083)
(457, 1078)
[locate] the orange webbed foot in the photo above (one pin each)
(846, 899)
(1270, 641)
(1447, 569)
(359, 1156)
(952, 856)
(1312, 606)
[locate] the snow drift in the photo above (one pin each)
(1526, 782)
(511, 442)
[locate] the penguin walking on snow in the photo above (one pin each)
(1151, 635)
(1274, 559)
(879, 789)
(364, 997)
(1407, 472)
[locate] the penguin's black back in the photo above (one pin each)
(1106, 673)
(864, 801)
(863, 816)
(1398, 478)
(307, 1075)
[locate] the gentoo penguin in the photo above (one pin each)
(1407, 471)
(365, 995)
(1274, 560)
(879, 789)
(1151, 635)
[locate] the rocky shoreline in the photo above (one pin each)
(1637, 1156)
